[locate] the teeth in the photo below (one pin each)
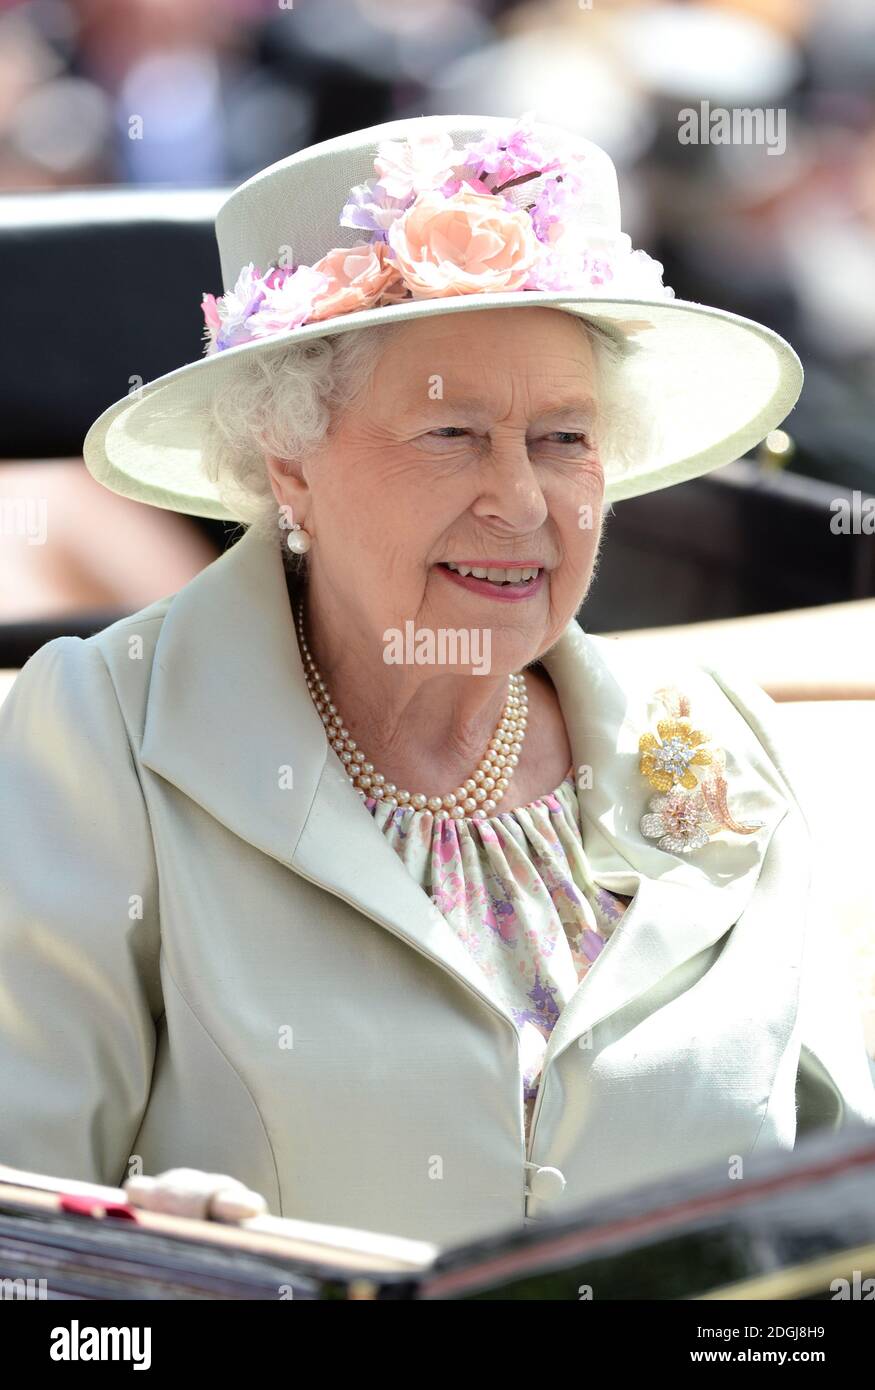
(497, 576)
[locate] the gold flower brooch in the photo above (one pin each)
(689, 811)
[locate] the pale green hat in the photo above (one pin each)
(721, 382)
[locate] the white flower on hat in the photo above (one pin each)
(289, 303)
(417, 165)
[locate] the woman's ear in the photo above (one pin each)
(288, 486)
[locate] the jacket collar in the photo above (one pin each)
(230, 722)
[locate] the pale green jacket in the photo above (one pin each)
(210, 956)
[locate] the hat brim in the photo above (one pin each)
(722, 382)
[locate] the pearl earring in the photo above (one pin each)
(298, 540)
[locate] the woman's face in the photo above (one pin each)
(474, 444)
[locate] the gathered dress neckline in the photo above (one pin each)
(517, 889)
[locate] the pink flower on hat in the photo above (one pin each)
(212, 317)
(469, 243)
(358, 277)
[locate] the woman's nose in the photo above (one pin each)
(511, 489)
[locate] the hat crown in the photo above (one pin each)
(290, 212)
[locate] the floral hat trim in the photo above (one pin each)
(691, 811)
(505, 213)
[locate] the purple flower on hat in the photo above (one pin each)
(226, 317)
(557, 204)
(512, 154)
(370, 208)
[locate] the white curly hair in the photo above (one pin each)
(284, 403)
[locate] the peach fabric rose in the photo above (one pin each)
(467, 244)
(359, 277)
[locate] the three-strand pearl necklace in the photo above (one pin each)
(478, 796)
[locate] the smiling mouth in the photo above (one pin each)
(520, 575)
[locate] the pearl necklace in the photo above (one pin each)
(478, 796)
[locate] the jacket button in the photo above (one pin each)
(547, 1184)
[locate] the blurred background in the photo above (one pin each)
(123, 125)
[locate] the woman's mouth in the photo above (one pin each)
(508, 585)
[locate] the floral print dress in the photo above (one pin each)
(516, 889)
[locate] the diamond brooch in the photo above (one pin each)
(689, 811)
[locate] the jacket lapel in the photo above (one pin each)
(682, 903)
(230, 722)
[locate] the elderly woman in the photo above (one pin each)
(356, 879)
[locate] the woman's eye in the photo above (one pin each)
(568, 437)
(565, 439)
